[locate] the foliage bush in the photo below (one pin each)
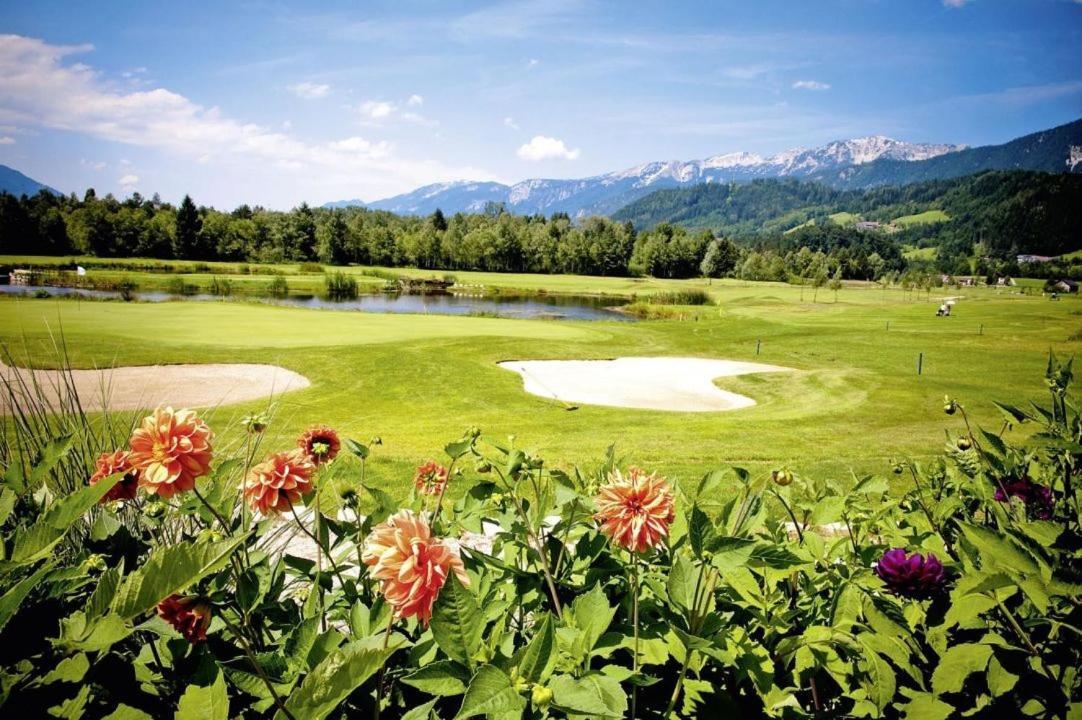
(278, 287)
(777, 596)
(222, 286)
(681, 297)
(340, 286)
(177, 286)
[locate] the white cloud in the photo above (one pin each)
(7, 140)
(810, 85)
(959, 3)
(546, 148)
(416, 101)
(532, 63)
(129, 181)
(310, 91)
(40, 86)
(510, 122)
(376, 110)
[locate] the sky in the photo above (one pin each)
(275, 103)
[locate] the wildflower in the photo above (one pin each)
(410, 564)
(1037, 497)
(170, 449)
(109, 464)
(430, 478)
(635, 511)
(911, 576)
(320, 443)
(189, 615)
(541, 696)
(279, 482)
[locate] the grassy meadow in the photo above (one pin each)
(417, 381)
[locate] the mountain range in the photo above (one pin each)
(856, 163)
(15, 183)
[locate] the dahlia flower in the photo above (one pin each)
(410, 564)
(320, 443)
(1037, 497)
(170, 449)
(190, 616)
(911, 576)
(109, 464)
(279, 482)
(430, 478)
(635, 511)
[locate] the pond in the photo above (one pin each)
(556, 307)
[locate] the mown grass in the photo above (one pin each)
(924, 218)
(418, 381)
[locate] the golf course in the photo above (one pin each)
(851, 402)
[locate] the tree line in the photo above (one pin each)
(492, 240)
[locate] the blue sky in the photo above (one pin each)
(274, 103)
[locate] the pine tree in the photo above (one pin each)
(188, 227)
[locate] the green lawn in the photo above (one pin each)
(844, 218)
(418, 381)
(924, 218)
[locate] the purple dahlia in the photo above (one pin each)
(912, 576)
(1037, 497)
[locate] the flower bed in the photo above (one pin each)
(611, 592)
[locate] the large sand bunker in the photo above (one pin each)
(647, 383)
(147, 386)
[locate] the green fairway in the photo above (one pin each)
(417, 381)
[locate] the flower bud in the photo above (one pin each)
(95, 563)
(949, 406)
(483, 467)
(781, 478)
(541, 697)
(254, 423)
(522, 685)
(155, 509)
(964, 443)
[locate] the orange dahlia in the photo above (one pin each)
(430, 478)
(279, 482)
(635, 511)
(170, 449)
(109, 464)
(320, 443)
(190, 616)
(410, 564)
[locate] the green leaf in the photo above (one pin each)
(204, 703)
(38, 541)
(332, 681)
(957, 664)
(456, 450)
(491, 693)
(357, 449)
(881, 683)
(700, 531)
(457, 624)
(12, 600)
(1000, 681)
(925, 706)
(72, 708)
(731, 553)
(421, 712)
(681, 583)
(71, 669)
(995, 549)
(127, 712)
(169, 570)
(539, 657)
(594, 695)
(7, 503)
(103, 594)
(593, 615)
(444, 678)
(77, 632)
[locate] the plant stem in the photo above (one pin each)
(259, 669)
(634, 628)
(213, 511)
(379, 678)
(679, 683)
(799, 531)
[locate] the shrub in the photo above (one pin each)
(596, 593)
(278, 287)
(126, 289)
(220, 286)
(681, 297)
(340, 286)
(311, 267)
(177, 286)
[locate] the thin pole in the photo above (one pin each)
(920, 363)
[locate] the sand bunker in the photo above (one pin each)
(132, 388)
(657, 383)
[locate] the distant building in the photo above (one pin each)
(1067, 286)
(1030, 259)
(1005, 282)
(868, 225)
(967, 281)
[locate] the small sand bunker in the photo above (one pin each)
(647, 383)
(147, 386)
